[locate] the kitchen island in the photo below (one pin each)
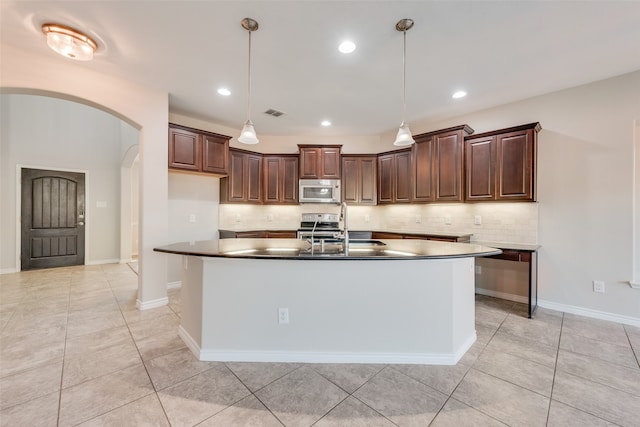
(282, 300)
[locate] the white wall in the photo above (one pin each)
(585, 189)
(44, 132)
(191, 197)
(143, 107)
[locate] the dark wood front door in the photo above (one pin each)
(53, 217)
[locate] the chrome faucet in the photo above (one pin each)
(345, 229)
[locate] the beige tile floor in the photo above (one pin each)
(75, 351)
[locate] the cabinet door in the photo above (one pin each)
(448, 166)
(515, 165)
(309, 163)
(254, 178)
(359, 180)
(281, 234)
(367, 187)
(289, 178)
(423, 159)
(402, 177)
(236, 191)
(184, 149)
(386, 179)
(350, 180)
(271, 165)
(480, 168)
(330, 163)
(280, 179)
(215, 154)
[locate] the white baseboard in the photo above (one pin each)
(502, 295)
(103, 261)
(322, 357)
(146, 305)
(8, 270)
(174, 285)
(587, 312)
(634, 285)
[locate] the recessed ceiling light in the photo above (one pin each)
(347, 46)
(325, 123)
(459, 94)
(224, 91)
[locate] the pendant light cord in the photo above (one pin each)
(249, 82)
(404, 76)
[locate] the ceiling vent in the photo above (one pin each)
(274, 113)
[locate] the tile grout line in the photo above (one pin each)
(352, 394)
(64, 350)
(633, 350)
(555, 370)
(144, 365)
(469, 370)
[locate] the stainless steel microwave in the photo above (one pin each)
(319, 191)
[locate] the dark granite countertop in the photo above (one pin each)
(512, 246)
(359, 249)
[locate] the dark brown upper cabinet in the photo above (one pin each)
(501, 164)
(438, 165)
(280, 179)
(244, 182)
(319, 161)
(198, 151)
(394, 177)
(359, 179)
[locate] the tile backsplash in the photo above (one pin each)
(496, 222)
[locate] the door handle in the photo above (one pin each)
(80, 223)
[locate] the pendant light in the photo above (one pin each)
(404, 134)
(248, 133)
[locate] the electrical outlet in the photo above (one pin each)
(598, 286)
(238, 219)
(192, 218)
(478, 269)
(477, 220)
(447, 220)
(283, 315)
(367, 218)
(269, 217)
(418, 219)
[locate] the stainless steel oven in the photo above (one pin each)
(319, 226)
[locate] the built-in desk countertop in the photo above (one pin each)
(520, 253)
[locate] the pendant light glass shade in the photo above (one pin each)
(404, 137)
(248, 134)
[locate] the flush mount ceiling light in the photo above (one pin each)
(69, 42)
(459, 94)
(224, 91)
(404, 134)
(325, 123)
(248, 133)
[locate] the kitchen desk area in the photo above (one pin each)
(284, 300)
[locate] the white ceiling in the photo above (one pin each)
(498, 51)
